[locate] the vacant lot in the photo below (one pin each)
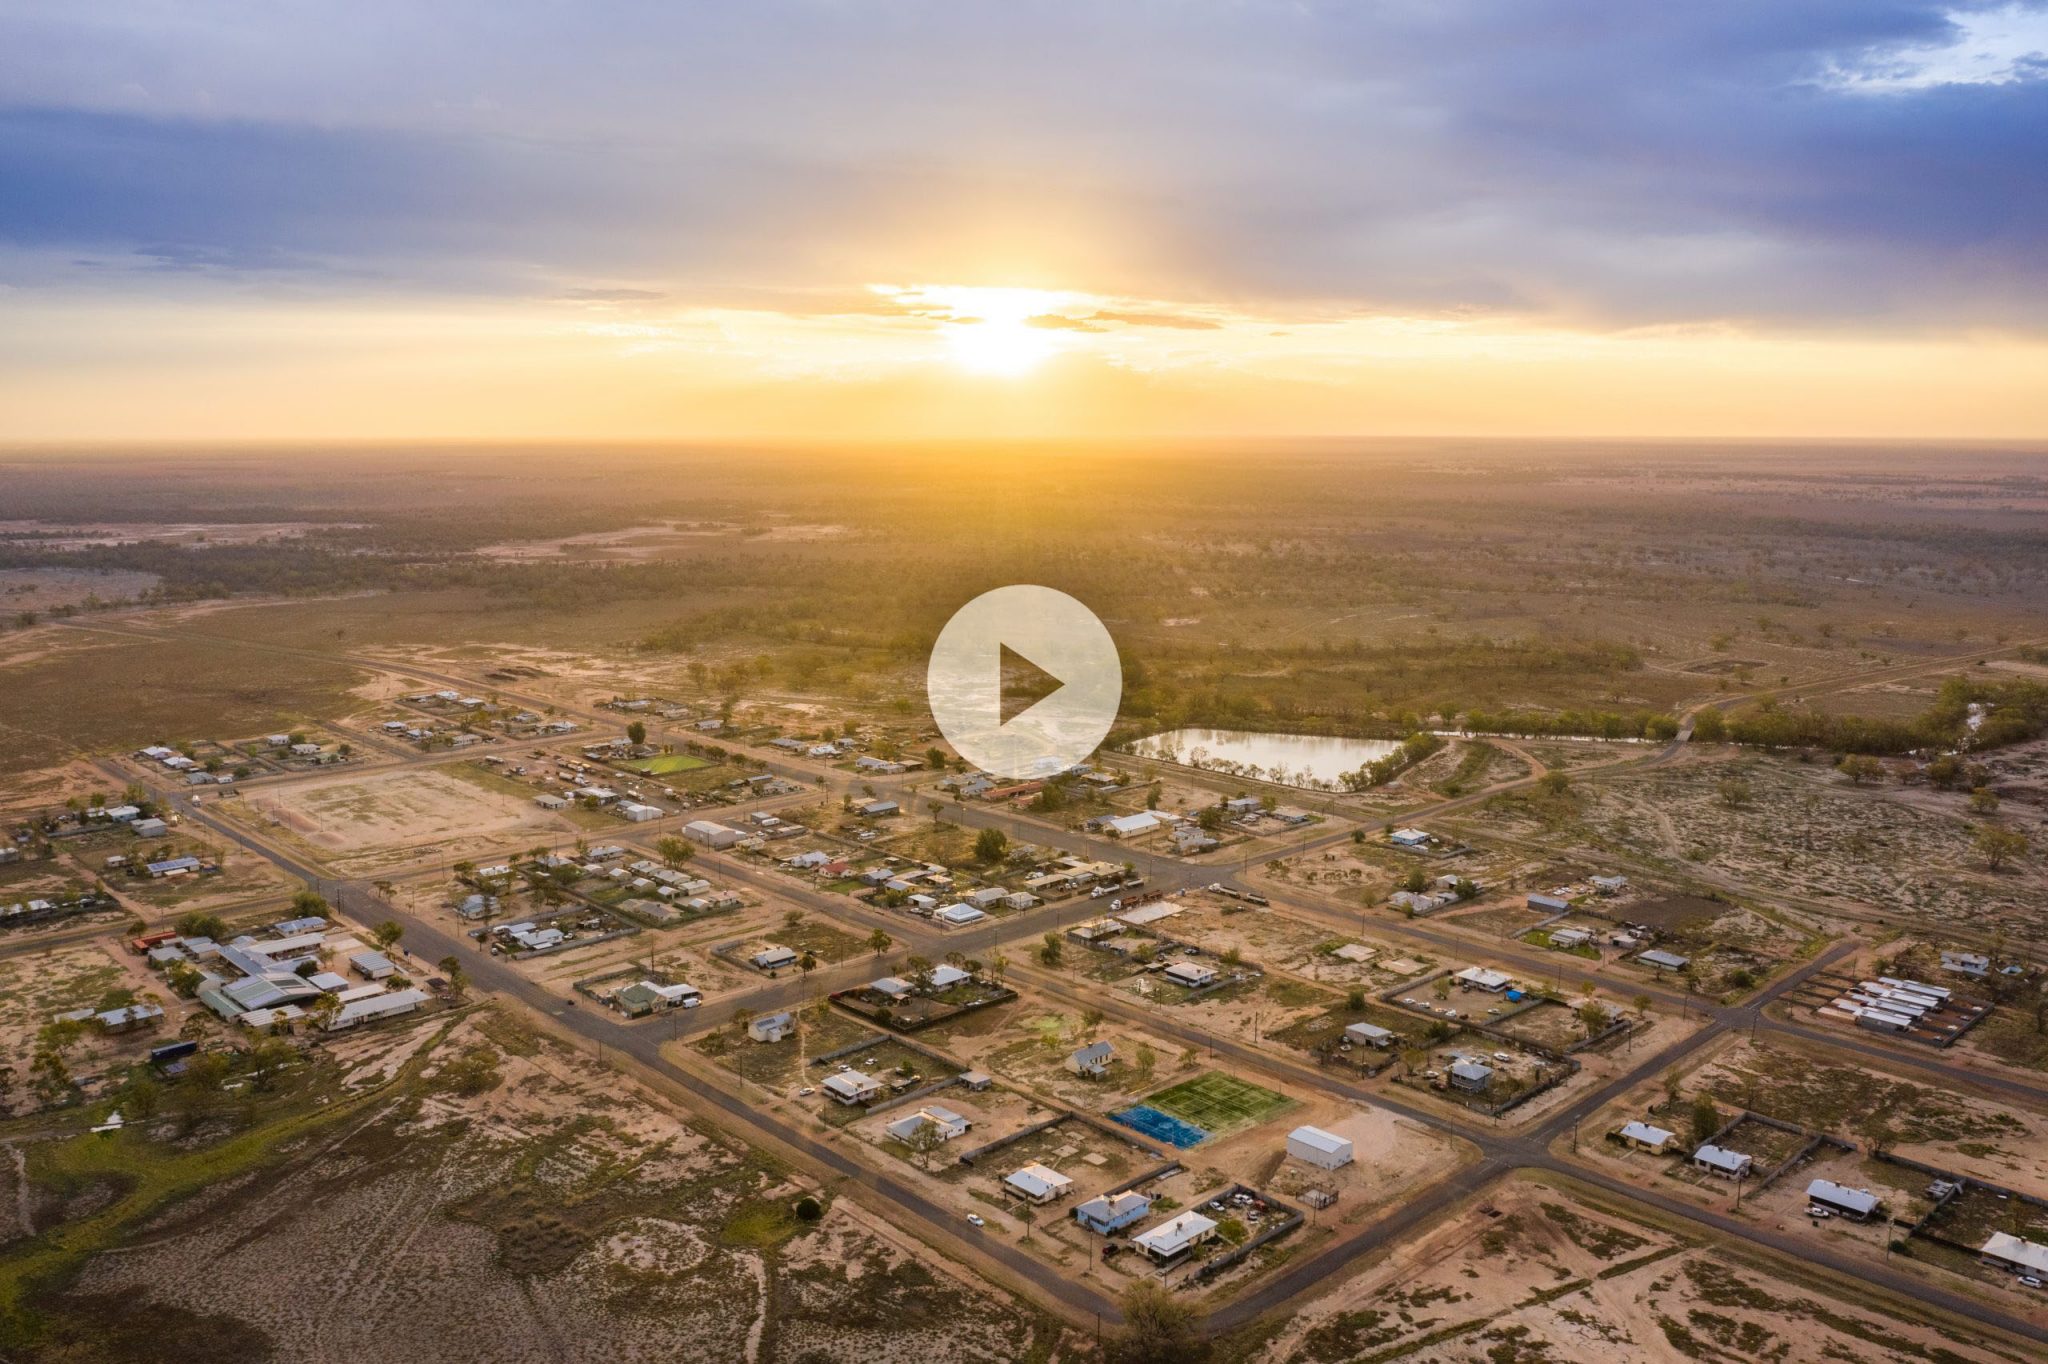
(377, 820)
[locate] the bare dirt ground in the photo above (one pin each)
(1550, 1278)
(562, 1215)
(376, 820)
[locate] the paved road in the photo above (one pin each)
(1501, 1152)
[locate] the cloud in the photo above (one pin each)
(1801, 163)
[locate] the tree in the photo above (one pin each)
(808, 1209)
(1145, 1060)
(636, 733)
(1710, 726)
(1159, 1328)
(2000, 845)
(1355, 1001)
(935, 759)
(991, 845)
(1706, 1118)
(1735, 792)
(1555, 784)
(674, 851)
(267, 1058)
(457, 978)
(919, 969)
(879, 942)
(1050, 949)
(322, 1008)
(924, 1139)
(308, 903)
(1593, 1015)
(201, 925)
(1860, 768)
(1983, 801)
(934, 807)
(387, 934)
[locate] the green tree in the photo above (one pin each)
(1983, 801)
(1159, 1328)
(991, 845)
(2000, 845)
(636, 733)
(1555, 784)
(201, 925)
(674, 851)
(451, 970)
(1860, 768)
(387, 934)
(879, 942)
(1050, 949)
(924, 1139)
(1706, 1118)
(1710, 726)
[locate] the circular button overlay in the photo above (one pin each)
(1024, 682)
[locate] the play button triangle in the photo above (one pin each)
(1023, 683)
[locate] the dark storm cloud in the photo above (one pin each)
(1791, 161)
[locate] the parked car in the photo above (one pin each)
(975, 1219)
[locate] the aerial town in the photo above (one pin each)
(560, 976)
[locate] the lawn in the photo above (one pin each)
(668, 764)
(1219, 1102)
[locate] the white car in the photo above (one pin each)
(1503, 1056)
(2029, 1281)
(974, 1219)
(1819, 1214)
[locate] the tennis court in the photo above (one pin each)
(1163, 1127)
(1216, 1102)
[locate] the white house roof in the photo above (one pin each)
(2013, 1250)
(1175, 1235)
(1648, 1135)
(1484, 977)
(1720, 1158)
(1126, 825)
(1320, 1140)
(960, 914)
(1036, 1181)
(942, 976)
(1860, 1201)
(852, 1083)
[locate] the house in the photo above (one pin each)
(1324, 1149)
(1663, 961)
(944, 976)
(773, 958)
(1610, 885)
(1193, 974)
(1857, 1205)
(986, 898)
(894, 987)
(1092, 1060)
(1481, 978)
(1021, 899)
(636, 813)
(711, 833)
(1176, 1237)
(945, 1121)
(1644, 1137)
(1550, 904)
(372, 965)
(129, 1018)
(173, 866)
(1130, 826)
(1471, 1076)
(1242, 805)
(1370, 1035)
(636, 1000)
(879, 809)
(1106, 1213)
(807, 861)
(1038, 1183)
(369, 1010)
(121, 814)
(1972, 964)
(1410, 838)
(885, 766)
(1718, 1160)
(959, 916)
(152, 827)
(1565, 939)
(2011, 1252)
(853, 1087)
(1190, 838)
(1418, 901)
(771, 1027)
(976, 1080)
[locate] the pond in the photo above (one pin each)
(1310, 760)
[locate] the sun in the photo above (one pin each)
(987, 330)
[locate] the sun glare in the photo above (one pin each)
(995, 331)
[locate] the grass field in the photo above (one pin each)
(668, 764)
(1219, 1102)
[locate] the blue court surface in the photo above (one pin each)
(1161, 1126)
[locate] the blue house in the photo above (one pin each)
(1104, 1214)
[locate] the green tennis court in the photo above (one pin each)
(1217, 1101)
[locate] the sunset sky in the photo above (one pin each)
(665, 220)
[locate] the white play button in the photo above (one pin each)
(1064, 678)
